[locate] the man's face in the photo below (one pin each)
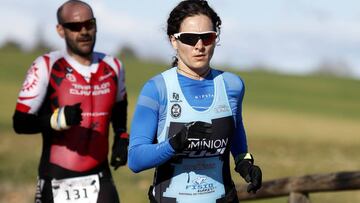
(79, 30)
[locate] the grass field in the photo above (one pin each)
(295, 126)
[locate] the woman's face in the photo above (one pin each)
(198, 56)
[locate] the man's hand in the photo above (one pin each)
(119, 150)
(65, 117)
(251, 173)
(193, 129)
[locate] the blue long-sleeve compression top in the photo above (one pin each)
(150, 115)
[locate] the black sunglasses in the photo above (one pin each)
(77, 26)
(191, 38)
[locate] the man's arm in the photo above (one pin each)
(61, 119)
(31, 97)
(119, 116)
(121, 137)
(119, 121)
(25, 123)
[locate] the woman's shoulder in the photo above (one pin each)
(232, 80)
(156, 80)
(156, 84)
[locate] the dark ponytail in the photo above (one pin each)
(175, 61)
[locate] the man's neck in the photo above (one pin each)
(84, 60)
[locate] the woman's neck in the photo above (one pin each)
(197, 74)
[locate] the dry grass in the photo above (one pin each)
(302, 126)
(284, 144)
(14, 193)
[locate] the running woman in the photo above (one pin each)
(188, 118)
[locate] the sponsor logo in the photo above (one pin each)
(70, 77)
(205, 148)
(32, 79)
(203, 153)
(201, 186)
(87, 90)
(95, 114)
(39, 189)
(204, 96)
(196, 143)
(175, 97)
(103, 77)
(199, 180)
(221, 108)
(69, 70)
(103, 88)
(77, 89)
(176, 111)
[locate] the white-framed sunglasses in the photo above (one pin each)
(191, 38)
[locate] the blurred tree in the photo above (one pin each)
(40, 45)
(11, 45)
(127, 52)
(333, 67)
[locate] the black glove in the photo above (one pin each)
(65, 117)
(193, 129)
(73, 114)
(251, 173)
(119, 150)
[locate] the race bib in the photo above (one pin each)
(76, 190)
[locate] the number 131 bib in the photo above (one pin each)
(76, 190)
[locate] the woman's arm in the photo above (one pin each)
(143, 152)
(235, 90)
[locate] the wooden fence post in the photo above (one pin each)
(299, 187)
(296, 197)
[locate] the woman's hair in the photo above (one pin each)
(190, 8)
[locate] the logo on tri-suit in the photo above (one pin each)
(176, 111)
(175, 108)
(176, 96)
(69, 74)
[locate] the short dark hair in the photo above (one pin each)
(59, 16)
(189, 8)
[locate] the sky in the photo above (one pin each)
(292, 37)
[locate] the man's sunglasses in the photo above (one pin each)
(77, 26)
(191, 38)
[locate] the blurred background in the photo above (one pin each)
(300, 62)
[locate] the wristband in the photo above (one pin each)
(124, 135)
(243, 156)
(57, 120)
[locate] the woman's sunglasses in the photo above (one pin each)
(191, 38)
(77, 26)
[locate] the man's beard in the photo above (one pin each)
(73, 46)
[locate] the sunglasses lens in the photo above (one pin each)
(76, 27)
(191, 38)
(208, 38)
(90, 24)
